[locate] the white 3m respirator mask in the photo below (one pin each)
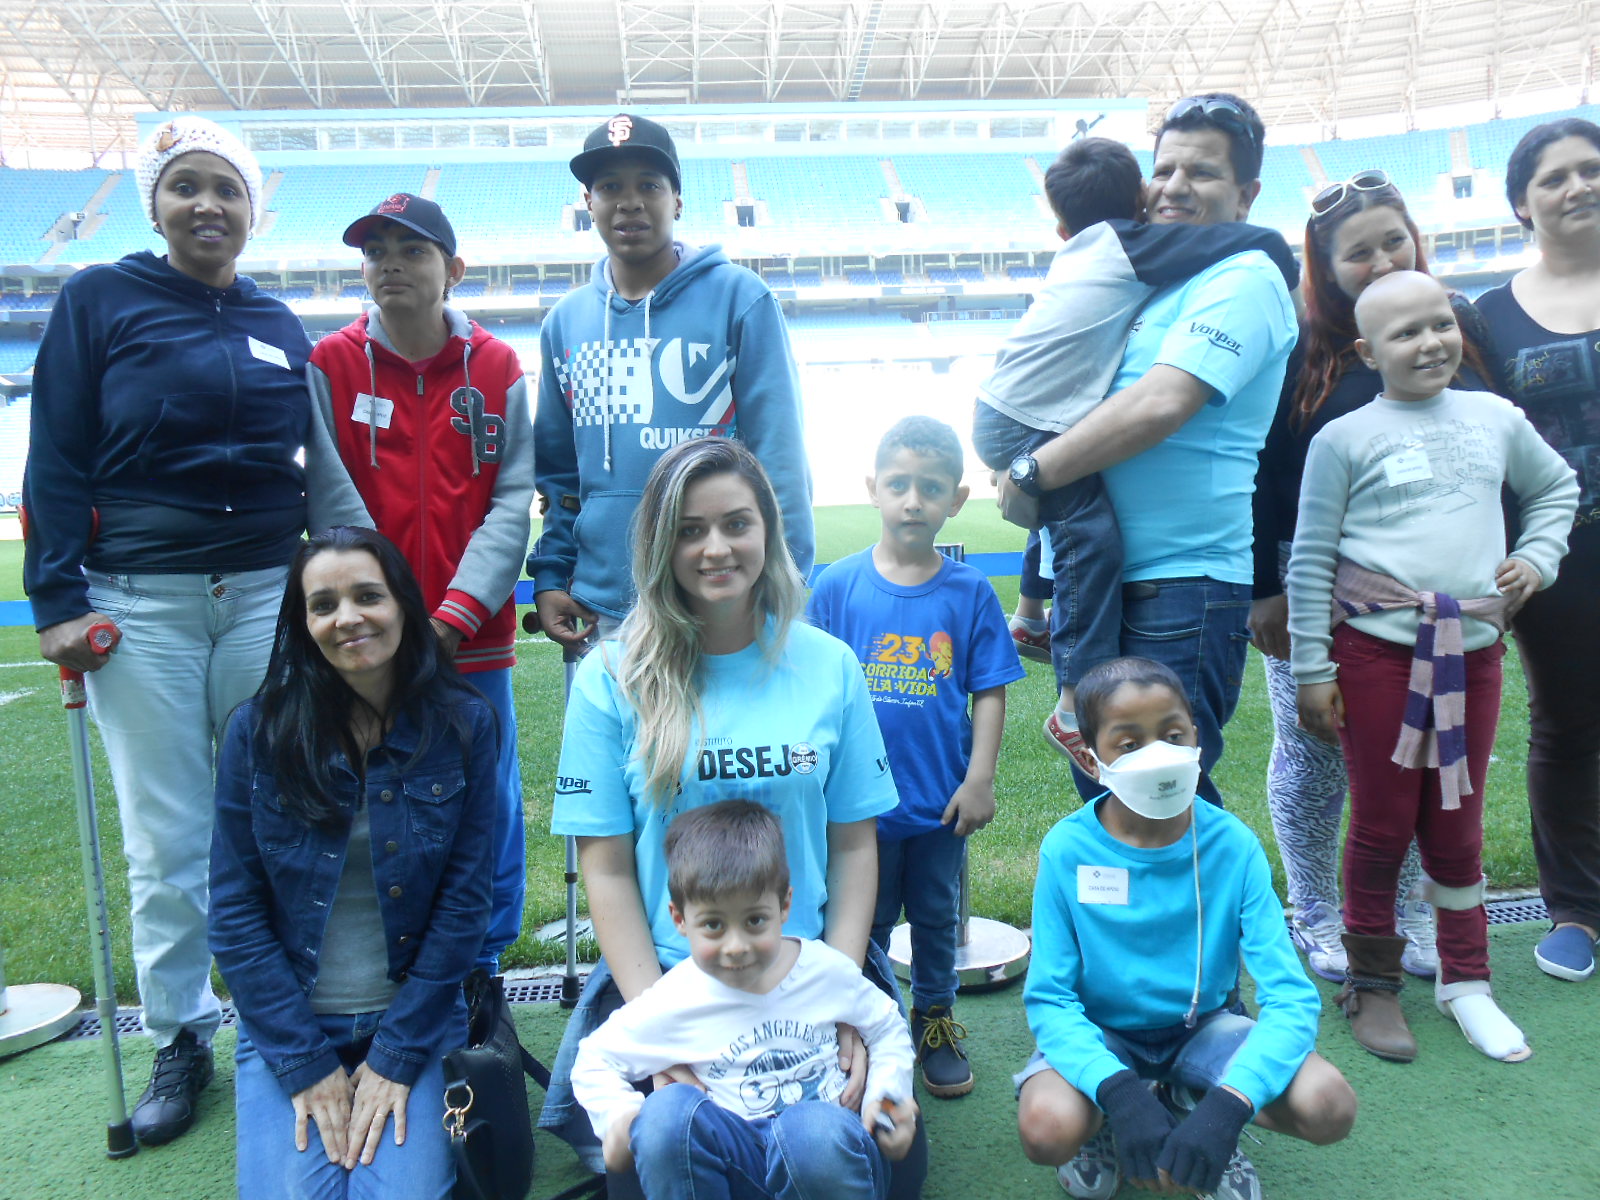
(1156, 781)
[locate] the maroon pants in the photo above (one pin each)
(1390, 804)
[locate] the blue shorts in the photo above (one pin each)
(1197, 1058)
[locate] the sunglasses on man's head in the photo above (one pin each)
(1225, 113)
(1329, 198)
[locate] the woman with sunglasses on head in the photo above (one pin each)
(1545, 330)
(1359, 231)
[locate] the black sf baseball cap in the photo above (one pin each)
(421, 216)
(632, 135)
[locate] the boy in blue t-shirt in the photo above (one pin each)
(930, 633)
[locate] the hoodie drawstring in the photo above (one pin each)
(606, 400)
(372, 411)
(466, 373)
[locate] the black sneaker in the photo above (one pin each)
(937, 1036)
(166, 1110)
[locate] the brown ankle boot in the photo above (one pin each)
(1371, 996)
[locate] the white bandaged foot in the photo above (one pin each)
(1488, 1029)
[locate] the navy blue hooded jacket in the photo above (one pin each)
(174, 410)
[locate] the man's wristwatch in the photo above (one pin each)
(1024, 475)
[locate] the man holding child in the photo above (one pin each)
(1176, 440)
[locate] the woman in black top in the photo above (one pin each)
(1358, 232)
(1545, 331)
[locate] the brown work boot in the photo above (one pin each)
(1371, 996)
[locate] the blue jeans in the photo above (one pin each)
(193, 647)
(510, 842)
(685, 1147)
(1199, 628)
(1086, 545)
(269, 1166)
(922, 874)
(1031, 583)
(1197, 1058)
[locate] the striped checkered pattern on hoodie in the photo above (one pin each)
(1433, 732)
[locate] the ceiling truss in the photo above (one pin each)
(86, 65)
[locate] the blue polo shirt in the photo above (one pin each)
(1184, 504)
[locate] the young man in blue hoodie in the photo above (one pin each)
(668, 342)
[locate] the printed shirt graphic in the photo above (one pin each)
(757, 1053)
(1555, 380)
(923, 650)
(618, 379)
(1184, 504)
(799, 738)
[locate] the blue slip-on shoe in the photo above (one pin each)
(1567, 952)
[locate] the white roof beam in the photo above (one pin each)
(170, 14)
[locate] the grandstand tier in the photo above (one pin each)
(812, 206)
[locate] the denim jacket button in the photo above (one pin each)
(395, 891)
(386, 795)
(391, 847)
(405, 939)
(437, 790)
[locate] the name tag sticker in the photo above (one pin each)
(367, 405)
(269, 353)
(1102, 885)
(1407, 466)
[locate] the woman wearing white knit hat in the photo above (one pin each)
(164, 495)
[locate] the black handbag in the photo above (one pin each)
(486, 1101)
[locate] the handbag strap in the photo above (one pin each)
(466, 1176)
(594, 1188)
(535, 1068)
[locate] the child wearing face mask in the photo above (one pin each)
(1144, 906)
(1399, 589)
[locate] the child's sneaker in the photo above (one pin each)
(1239, 1180)
(1413, 920)
(1318, 930)
(938, 1036)
(1068, 742)
(1029, 644)
(1094, 1174)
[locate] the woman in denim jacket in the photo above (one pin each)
(350, 878)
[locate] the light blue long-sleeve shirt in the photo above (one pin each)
(1118, 952)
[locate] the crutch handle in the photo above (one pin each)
(102, 637)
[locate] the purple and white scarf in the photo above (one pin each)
(1433, 732)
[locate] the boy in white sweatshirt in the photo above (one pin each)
(741, 1039)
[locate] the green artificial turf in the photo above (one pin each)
(42, 924)
(1450, 1126)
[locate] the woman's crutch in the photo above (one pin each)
(120, 1143)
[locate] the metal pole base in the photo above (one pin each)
(119, 1140)
(994, 955)
(34, 1013)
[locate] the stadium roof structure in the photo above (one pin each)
(72, 72)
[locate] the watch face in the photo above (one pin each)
(1022, 469)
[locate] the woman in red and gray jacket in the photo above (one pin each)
(430, 415)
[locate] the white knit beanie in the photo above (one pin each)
(186, 135)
